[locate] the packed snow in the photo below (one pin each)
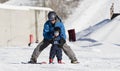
(97, 47)
(97, 58)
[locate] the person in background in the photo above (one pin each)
(52, 22)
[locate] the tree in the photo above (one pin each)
(2, 1)
(63, 7)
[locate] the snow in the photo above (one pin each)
(98, 58)
(111, 32)
(97, 46)
(85, 12)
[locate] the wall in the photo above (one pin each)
(16, 26)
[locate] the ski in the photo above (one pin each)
(41, 63)
(35, 63)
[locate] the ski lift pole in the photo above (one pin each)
(36, 26)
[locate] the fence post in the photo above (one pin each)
(30, 39)
(111, 10)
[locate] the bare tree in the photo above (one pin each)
(2, 1)
(63, 7)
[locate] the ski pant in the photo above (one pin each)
(55, 51)
(43, 44)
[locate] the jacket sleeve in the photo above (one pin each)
(63, 33)
(62, 41)
(46, 31)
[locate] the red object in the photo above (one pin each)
(72, 35)
(43, 62)
(60, 62)
(31, 38)
(50, 60)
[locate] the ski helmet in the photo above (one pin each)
(52, 15)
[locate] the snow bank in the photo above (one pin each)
(109, 33)
(88, 13)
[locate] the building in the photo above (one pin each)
(17, 23)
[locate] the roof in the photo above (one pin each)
(2, 6)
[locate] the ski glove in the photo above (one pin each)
(62, 41)
(51, 34)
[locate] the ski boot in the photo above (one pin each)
(74, 62)
(51, 61)
(32, 61)
(60, 62)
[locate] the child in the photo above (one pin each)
(57, 43)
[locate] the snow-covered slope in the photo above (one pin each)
(109, 33)
(98, 58)
(91, 21)
(106, 31)
(88, 13)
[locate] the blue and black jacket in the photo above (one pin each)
(49, 30)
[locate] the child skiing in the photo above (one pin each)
(57, 43)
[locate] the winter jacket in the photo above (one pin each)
(49, 30)
(60, 41)
(55, 49)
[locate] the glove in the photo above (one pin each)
(50, 33)
(48, 40)
(51, 41)
(62, 41)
